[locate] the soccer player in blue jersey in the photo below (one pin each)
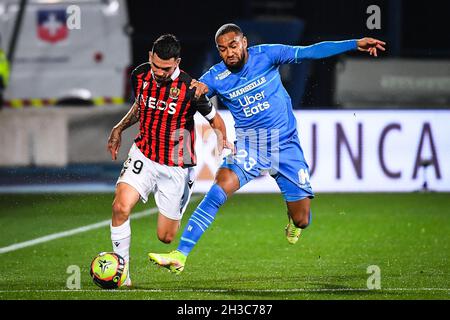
(248, 82)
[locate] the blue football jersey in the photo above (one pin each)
(255, 94)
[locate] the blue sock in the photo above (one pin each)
(201, 218)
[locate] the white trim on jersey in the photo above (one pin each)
(211, 115)
(175, 74)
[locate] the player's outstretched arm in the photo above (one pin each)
(115, 137)
(371, 45)
(330, 48)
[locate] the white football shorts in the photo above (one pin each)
(172, 186)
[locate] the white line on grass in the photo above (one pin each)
(68, 233)
(292, 290)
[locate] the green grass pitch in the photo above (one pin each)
(244, 254)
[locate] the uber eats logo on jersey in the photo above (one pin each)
(253, 104)
(161, 105)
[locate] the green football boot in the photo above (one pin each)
(173, 261)
(292, 232)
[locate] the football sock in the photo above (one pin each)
(202, 217)
(121, 239)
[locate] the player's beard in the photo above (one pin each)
(238, 65)
(161, 80)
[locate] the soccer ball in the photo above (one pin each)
(109, 270)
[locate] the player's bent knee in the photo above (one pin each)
(227, 180)
(121, 211)
(121, 208)
(166, 238)
(302, 221)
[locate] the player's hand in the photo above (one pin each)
(114, 140)
(225, 144)
(200, 88)
(371, 45)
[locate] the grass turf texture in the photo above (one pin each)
(244, 254)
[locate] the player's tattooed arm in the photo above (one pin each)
(115, 137)
(129, 119)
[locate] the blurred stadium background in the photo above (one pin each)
(366, 124)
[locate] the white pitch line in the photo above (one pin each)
(293, 290)
(68, 233)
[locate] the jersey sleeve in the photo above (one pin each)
(284, 54)
(137, 73)
(205, 107)
(208, 79)
(279, 53)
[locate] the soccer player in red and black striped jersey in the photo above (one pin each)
(161, 159)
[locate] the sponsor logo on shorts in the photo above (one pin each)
(303, 177)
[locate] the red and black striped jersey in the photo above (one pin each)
(166, 116)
